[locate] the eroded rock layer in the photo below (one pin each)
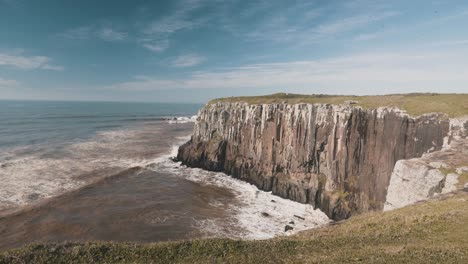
(337, 157)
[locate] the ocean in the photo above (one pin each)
(82, 171)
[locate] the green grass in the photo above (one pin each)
(415, 104)
(430, 232)
(462, 178)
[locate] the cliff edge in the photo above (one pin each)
(338, 156)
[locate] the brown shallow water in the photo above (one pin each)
(136, 205)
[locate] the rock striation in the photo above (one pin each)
(339, 158)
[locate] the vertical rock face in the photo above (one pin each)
(337, 157)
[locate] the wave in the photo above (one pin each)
(48, 169)
(182, 119)
(260, 214)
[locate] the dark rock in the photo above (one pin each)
(287, 228)
(273, 201)
(4, 165)
(33, 196)
(300, 217)
(265, 214)
(291, 223)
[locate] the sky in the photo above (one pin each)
(196, 50)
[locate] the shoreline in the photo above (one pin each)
(251, 214)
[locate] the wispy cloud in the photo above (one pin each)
(457, 42)
(5, 83)
(110, 34)
(78, 33)
(157, 33)
(188, 60)
(376, 34)
(178, 20)
(28, 62)
(105, 33)
(303, 23)
(391, 72)
(353, 22)
(155, 45)
(269, 20)
(169, 25)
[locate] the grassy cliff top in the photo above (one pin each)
(415, 104)
(429, 232)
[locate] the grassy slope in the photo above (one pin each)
(430, 232)
(415, 104)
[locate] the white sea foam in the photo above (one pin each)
(259, 214)
(29, 178)
(182, 119)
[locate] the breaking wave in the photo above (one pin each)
(258, 214)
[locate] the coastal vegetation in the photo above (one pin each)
(415, 104)
(435, 231)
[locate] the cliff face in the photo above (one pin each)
(337, 157)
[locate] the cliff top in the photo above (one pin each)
(415, 104)
(429, 232)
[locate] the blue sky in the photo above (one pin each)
(195, 50)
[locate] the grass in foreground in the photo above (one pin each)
(431, 232)
(415, 104)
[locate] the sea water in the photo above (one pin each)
(81, 171)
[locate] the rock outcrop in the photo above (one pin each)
(434, 173)
(337, 157)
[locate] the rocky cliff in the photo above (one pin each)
(337, 157)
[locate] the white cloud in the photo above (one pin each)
(52, 67)
(4, 83)
(110, 34)
(351, 23)
(371, 73)
(105, 33)
(188, 60)
(155, 45)
(31, 62)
